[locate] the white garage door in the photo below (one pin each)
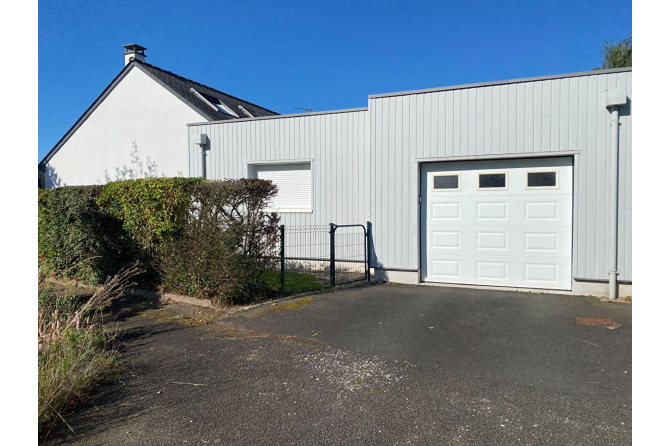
(502, 222)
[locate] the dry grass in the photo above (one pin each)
(290, 306)
(75, 350)
(183, 314)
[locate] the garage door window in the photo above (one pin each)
(542, 179)
(493, 180)
(446, 182)
(294, 182)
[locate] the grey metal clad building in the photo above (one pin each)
(498, 184)
(333, 145)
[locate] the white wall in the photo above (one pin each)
(139, 130)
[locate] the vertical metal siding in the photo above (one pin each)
(366, 163)
(335, 142)
(542, 116)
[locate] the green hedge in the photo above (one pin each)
(209, 239)
(75, 238)
(152, 209)
(227, 242)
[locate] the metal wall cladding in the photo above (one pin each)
(366, 164)
(527, 117)
(334, 142)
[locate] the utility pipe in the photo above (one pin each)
(615, 98)
(614, 201)
(204, 162)
(202, 142)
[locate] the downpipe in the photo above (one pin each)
(614, 202)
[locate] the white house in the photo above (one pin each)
(136, 127)
(521, 184)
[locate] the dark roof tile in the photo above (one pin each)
(182, 87)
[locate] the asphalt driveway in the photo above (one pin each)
(523, 338)
(384, 364)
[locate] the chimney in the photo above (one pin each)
(134, 50)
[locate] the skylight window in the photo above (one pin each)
(251, 114)
(215, 103)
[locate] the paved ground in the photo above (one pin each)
(379, 365)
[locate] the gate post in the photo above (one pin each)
(368, 249)
(332, 254)
(282, 261)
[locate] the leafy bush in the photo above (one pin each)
(75, 238)
(151, 210)
(227, 242)
(209, 239)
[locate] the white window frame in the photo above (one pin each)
(432, 176)
(219, 106)
(252, 173)
(493, 172)
(545, 170)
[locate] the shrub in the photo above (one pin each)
(75, 238)
(209, 239)
(227, 243)
(151, 210)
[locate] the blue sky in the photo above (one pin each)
(323, 55)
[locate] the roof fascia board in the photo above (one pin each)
(504, 82)
(294, 115)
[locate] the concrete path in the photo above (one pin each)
(379, 365)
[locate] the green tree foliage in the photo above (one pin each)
(618, 55)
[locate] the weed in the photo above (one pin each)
(75, 350)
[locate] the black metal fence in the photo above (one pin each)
(313, 258)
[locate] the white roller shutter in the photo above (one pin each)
(294, 182)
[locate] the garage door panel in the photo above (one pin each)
(516, 236)
(492, 240)
(492, 270)
(502, 271)
(450, 211)
(446, 269)
(551, 210)
(487, 211)
(541, 273)
(446, 240)
(518, 241)
(546, 241)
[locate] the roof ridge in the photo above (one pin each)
(201, 84)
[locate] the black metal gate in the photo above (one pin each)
(348, 254)
(316, 257)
